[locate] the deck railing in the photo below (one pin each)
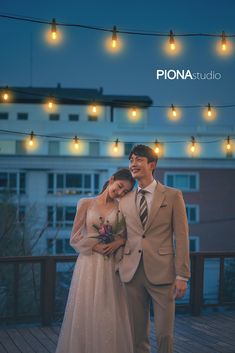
(35, 288)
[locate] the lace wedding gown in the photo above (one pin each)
(96, 318)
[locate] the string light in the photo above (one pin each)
(115, 148)
(114, 37)
(172, 41)
(157, 147)
(223, 42)
(53, 29)
(228, 146)
(76, 142)
(192, 148)
(31, 139)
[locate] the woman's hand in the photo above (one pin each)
(113, 246)
(99, 247)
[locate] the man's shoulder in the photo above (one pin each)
(168, 189)
(127, 197)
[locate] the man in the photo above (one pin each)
(155, 263)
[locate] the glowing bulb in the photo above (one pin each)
(50, 103)
(5, 94)
(157, 148)
(228, 146)
(76, 143)
(223, 42)
(172, 41)
(209, 112)
(53, 29)
(114, 37)
(31, 142)
(94, 109)
(174, 114)
(115, 148)
(192, 148)
(134, 112)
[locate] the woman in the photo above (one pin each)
(96, 319)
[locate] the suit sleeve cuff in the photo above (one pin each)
(182, 278)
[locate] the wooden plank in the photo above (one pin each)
(19, 341)
(43, 339)
(50, 334)
(2, 349)
(32, 341)
(7, 342)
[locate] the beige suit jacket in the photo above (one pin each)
(163, 257)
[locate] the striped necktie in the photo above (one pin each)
(143, 211)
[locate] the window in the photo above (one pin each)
(73, 117)
(60, 216)
(128, 147)
(94, 149)
(194, 243)
(3, 116)
(184, 181)
(54, 148)
(13, 182)
(73, 184)
(59, 246)
(54, 117)
(192, 213)
(22, 116)
(92, 118)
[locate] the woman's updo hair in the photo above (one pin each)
(121, 174)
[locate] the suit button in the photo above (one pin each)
(140, 250)
(143, 236)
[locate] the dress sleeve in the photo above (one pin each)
(79, 239)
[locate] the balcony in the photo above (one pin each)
(33, 292)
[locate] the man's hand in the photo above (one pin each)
(180, 288)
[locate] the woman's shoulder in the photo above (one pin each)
(85, 202)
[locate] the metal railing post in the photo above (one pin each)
(48, 282)
(196, 289)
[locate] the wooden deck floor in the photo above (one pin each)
(210, 333)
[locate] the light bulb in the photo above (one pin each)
(114, 37)
(31, 142)
(174, 114)
(157, 148)
(53, 29)
(76, 143)
(115, 148)
(134, 112)
(94, 109)
(228, 146)
(172, 41)
(5, 94)
(223, 42)
(192, 148)
(209, 112)
(50, 103)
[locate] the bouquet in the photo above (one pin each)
(105, 232)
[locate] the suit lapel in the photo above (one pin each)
(158, 197)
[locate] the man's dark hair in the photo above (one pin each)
(144, 151)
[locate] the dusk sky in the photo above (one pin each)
(81, 60)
